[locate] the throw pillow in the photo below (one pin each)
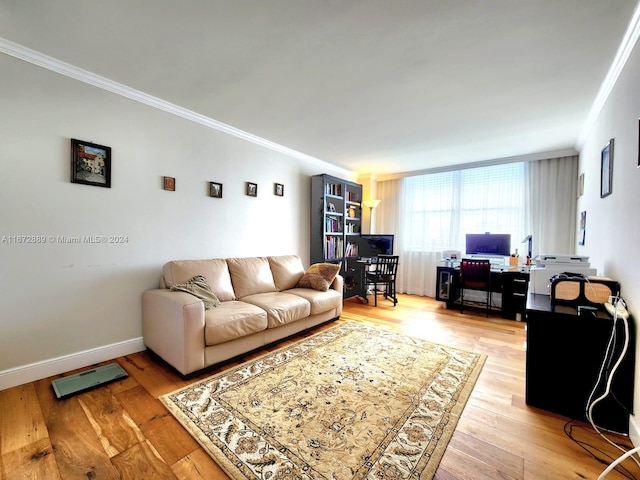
(319, 276)
(198, 287)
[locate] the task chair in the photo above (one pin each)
(383, 275)
(475, 275)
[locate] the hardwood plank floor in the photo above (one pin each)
(122, 430)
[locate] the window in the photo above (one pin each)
(440, 208)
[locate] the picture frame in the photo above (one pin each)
(278, 189)
(252, 189)
(169, 183)
(583, 227)
(90, 163)
(580, 185)
(606, 169)
(215, 189)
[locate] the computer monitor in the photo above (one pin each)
(498, 244)
(374, 245)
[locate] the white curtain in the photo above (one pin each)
(416, 269)
(552, 204)
(543, 197)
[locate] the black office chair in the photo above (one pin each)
(383, 274)
(475, 275)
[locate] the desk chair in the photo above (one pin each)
(383, 273)
(475, 275)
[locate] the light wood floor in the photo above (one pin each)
(122, 431)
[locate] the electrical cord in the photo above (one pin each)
(608, 358)
(597, 453)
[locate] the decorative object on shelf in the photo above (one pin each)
(169, 183)
(371, 204)
(331, 207)
(278, 189)
(90, 164)
(215, 189)
(606, 169)
(252, 189)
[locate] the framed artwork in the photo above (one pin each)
(278, 189)
(215, 189)
(583, 227)
(581, 185)
(252, 189)
(90, 163)
(606, 169)
(170, 184)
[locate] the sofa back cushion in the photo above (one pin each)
(287, 271)
(215, 271)
(250, 276)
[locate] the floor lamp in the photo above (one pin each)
(371, 204)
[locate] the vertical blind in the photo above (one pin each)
(440, 208)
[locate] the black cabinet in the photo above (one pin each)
(565, 353)
(514, 293)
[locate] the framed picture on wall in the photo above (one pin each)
(90, 163)
(278, 189)
(169, 183)
(606, 169)
(215, 189)
(252, 189)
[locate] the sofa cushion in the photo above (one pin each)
(215, 271)
(281, 307)
(287, 271)
(198, 287)
(233, 320)
(319, 276)
(250, 276)
(320, 301)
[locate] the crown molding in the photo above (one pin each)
(624, 51)
(41, 60)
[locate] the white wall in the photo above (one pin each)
(60, 300)
(613, 227)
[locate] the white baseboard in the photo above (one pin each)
(634, 431)
(54, 366)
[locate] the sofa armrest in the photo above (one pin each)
(173, 327)
(338, 285)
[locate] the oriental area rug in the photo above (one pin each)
(352, 402)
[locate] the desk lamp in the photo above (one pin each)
(371, 204)
(528, 241)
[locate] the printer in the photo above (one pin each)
(548, 265)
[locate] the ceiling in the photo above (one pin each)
(373, 86)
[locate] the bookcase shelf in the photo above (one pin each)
(336, 216)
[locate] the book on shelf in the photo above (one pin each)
(333, 189)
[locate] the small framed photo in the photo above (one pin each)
(606, 169)
(580, 185)
(90, 163)
(170, 184)
(215, 189)
(278, 189)
(252, 189)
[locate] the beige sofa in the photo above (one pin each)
(259, 304)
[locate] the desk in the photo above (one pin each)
(564, 356)
(354, 271)
(511, 282)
